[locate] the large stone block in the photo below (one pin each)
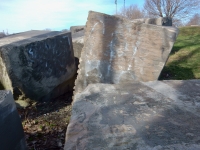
(118, 50)
(37, 64)
(11, 131)
(138, 116)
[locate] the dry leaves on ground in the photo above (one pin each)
(45, 124)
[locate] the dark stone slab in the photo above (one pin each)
(37, 63)
(11, 131)
(136, 116)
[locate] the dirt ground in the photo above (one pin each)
(45, 123)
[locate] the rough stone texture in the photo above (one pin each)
(162, 21)
(75, 29)
(78, 46)
(138, 116)
(38, 64)
(118, 50)
(11, 131)
(78, 42)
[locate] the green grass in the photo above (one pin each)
(184, 60)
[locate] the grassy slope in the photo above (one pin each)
(184, 60)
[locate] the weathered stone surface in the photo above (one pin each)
(78, 42)
(11, 131)
(38, 64)
(78, 46)
(118, 50)
(174, 89)
(75, 29)
(162, 21)
(138, 116)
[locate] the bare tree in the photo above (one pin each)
(171, 8)
(195, 20)
(131, 12)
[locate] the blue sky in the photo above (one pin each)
(23, 15)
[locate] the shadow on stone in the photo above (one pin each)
(151, 115)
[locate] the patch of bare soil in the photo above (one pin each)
(45, 124)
